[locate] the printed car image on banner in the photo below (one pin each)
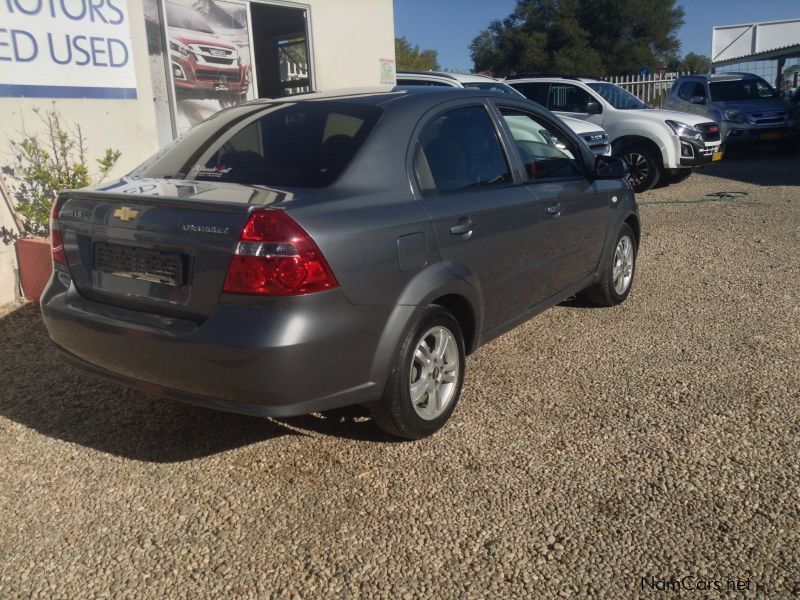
(67, 49)
(209, 52)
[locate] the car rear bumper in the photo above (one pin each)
(288, 357)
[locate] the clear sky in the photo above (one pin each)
(450, 25)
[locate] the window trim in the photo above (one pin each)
(430, 116)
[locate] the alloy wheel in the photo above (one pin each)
(638, 168)
(434, 373)
(622, 272)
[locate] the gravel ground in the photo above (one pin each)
(592, 448)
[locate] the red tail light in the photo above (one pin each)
(56, 244)
(276, 257)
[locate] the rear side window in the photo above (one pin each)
(568, 98)
(307, 144)
(460, 149)
(691, 89)
(534, 91)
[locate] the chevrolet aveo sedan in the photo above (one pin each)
(285, 257)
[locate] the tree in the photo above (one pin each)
(413, 58)
(695, 63)
(580, 37)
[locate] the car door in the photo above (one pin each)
(571, 100)
(574, 211)
(485, 221)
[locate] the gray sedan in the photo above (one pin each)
(286, 257)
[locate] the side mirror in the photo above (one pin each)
(610, 167)
(698, 100)
(593, 108)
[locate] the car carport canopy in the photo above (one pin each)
(774, 40)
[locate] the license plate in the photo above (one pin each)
(770, 136)
(717, 155)
(221, 87)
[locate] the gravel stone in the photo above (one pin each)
(592, 449)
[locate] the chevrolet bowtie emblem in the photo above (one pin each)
(126, 214)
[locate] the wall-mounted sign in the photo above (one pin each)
(66, 49)
(388, 74)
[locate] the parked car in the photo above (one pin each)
(285, 257)
(658, 145)
(204, 66)
(594, 137)
(745, 106)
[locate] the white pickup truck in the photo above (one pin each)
(657, 145)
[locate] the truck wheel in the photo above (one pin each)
(644, 168)
(426, 379)
(617, 275)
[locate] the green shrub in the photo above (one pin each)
(42, 168)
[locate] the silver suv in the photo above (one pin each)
(747, 108)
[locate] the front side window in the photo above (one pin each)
(743, 89)
(546, 152)
(568, 98)
(458, 150)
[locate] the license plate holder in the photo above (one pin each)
(221, 87)
(770, 136)
(144, 264)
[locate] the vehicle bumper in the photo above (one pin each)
(743, 134)
(288, 357)
(205, 80)
(695, 153)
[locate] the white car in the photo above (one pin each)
(594, 136)
(657, 145)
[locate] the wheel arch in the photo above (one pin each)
(626, 141)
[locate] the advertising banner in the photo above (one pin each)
(66, 49)
(210, 58)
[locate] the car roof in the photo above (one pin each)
(545, 78)
(459, 77)
(726, 76)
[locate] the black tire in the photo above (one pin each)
(603, 293)
(681, 175)
(644, 166)
(395, 412)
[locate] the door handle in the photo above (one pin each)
(554, 210)
(464, 227)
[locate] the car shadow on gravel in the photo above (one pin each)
(40, 391)
(758, 165)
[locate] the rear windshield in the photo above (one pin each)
(744, 89)
(304, 144)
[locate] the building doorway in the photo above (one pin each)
(280, 50)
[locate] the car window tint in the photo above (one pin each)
(460, 149)
(690, 89)
(308, 144)
(546, 152)
(536, 91)
(568, 98)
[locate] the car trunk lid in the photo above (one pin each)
(160, 246)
